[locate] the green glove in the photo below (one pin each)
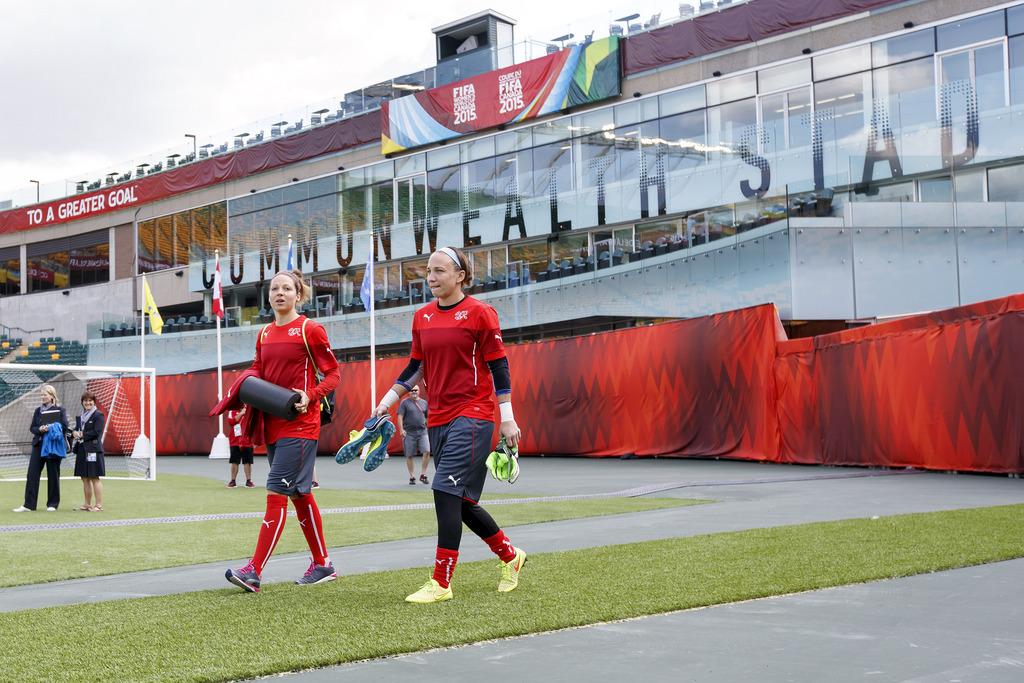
(503, 463)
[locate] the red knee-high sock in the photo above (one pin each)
(501, 546)
(444, 565)
(270, 531)
(308, 514)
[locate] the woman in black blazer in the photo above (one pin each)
(89, 463)
(40, 425)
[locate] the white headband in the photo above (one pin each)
(448, 251)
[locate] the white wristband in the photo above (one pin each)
(390, 399)
(506, 412)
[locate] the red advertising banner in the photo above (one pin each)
(577, 75)
(326, 139)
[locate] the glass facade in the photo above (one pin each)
(10, 271)
(929, 116)
(181, 238)
(68, 262)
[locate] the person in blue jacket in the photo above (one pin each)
(49, 424)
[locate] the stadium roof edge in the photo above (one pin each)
(473, 17)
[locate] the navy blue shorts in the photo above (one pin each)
(460, 449)
(241, 455)
(291, 466)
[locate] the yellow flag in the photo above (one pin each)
(156, 322)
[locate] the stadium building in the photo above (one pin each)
(845, 160)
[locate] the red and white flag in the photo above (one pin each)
(218, 292)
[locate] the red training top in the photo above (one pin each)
(455, 346)
(281, 359)
(236, 437)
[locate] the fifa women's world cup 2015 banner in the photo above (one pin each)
(568, 78)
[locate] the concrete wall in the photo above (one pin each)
(67, 313)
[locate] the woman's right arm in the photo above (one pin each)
(410, 376)
(36, 419)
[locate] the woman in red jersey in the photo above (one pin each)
(289, 352)
(458, 353)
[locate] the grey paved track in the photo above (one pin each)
(952, 626)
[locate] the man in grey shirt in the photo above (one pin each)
(412, 423)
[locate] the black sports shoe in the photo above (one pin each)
(412, 481)
(318, 574)
(245, 578)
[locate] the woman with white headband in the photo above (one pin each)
(458, 354)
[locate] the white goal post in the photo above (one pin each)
(122, 395)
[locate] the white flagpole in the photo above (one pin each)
(220, 370)
(221, 446)
(142, 362)
(141, 449)
(373, 330)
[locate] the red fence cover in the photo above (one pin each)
(695, 387)
(937, 391)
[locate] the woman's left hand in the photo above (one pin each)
(510, 430)
(303, 405)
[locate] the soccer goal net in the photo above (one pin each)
(119, 396)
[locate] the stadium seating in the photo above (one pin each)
(50, 351)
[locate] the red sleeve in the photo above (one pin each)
(257, 362)
(320, 347)
(417, 351)
(489, 335)
(231, 418)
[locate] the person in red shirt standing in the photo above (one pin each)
(241, 448)
(458, 353)
(289, 352)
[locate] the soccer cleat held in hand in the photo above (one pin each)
(366, 436)
(503, 462)
(379, 447)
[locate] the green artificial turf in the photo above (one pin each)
(228, 634)
(60, 554)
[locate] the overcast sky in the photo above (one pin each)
(90, 86)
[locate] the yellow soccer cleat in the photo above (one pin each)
(430, 592)
(350, 449)
(510, 572)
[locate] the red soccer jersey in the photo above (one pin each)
(236, 437)
(281, 359)
(455, 346)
